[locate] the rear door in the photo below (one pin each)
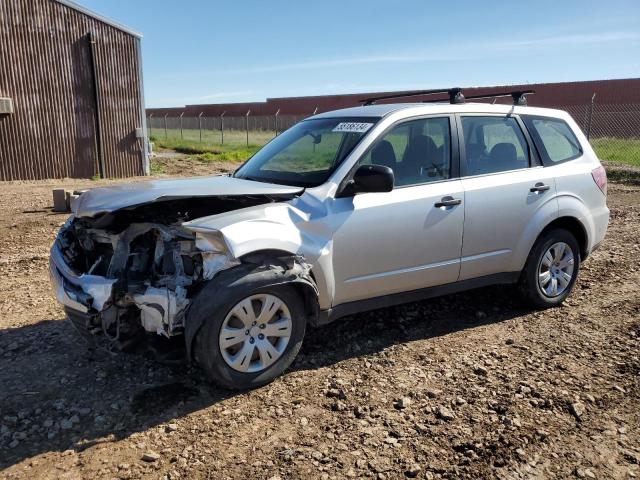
(507, 193)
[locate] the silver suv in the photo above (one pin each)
(347, 211)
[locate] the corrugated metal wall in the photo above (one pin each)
(45, 67)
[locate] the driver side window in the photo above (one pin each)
(418, 151)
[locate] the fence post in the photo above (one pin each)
(276, 125)
(222, 127)
(181, 134)
(246, 125)
(593, 98)
(165, 126)
(200, 125)
(150, 127)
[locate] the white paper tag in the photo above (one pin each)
(352, 127)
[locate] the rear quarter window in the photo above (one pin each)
(555, 139)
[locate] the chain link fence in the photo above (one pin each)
(223, 130)
(613, 129)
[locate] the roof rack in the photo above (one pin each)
(455, 96)
(519, 96)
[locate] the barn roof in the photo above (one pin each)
(99, 17)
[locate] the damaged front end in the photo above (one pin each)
(133, 271)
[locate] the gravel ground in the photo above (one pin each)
(466, 386)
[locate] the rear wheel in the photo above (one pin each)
(253, 339)
(551, 269)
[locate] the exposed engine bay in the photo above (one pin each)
(136, 269)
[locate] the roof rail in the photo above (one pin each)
(518, 96)
(455, 95)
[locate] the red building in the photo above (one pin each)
(565, 94)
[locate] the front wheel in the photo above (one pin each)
(551, 269)
(253, 339)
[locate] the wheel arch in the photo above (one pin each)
(575, 227)
(307, 290)
(257, 270)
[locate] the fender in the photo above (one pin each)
(569, 205)
(280, 226)
(547, 213)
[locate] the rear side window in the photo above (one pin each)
(494, 144)
(559, 144)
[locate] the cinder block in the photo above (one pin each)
(60, 200)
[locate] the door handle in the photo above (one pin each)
(539, 187)
(448, 202)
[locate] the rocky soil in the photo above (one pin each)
(466, 386)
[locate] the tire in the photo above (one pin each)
(214, 359)
(530, 287)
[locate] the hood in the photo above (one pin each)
(110, 199)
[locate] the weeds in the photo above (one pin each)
(618, 150)
(156, 168)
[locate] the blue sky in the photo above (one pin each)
(235, 51)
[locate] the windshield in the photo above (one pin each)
(308, 153)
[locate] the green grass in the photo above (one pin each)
(156, 168)
(209, 152)
(212, 137)
(618, 150)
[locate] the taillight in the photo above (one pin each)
(600, 177)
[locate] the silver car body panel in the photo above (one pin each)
(500, 212)
(375, 244)
(109, 199)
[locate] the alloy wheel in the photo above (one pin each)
(255, 333)
(556, 269)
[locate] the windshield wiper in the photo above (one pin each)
(253, 179)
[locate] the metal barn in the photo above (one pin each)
(71, 93)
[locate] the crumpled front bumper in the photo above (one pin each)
(83, 293)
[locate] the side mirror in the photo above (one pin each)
(371, 178)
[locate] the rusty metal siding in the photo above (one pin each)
(45, 68)
(618, 91)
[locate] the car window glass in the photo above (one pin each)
(494, 144)
(308, 153)
(559, 141)
(317, 156)
(418, 151)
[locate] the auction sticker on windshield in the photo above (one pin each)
(352, 127)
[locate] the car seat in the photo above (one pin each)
(383, 154)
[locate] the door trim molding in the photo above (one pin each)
(350, 308)
(417, 268)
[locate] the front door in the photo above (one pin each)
(409, 238)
